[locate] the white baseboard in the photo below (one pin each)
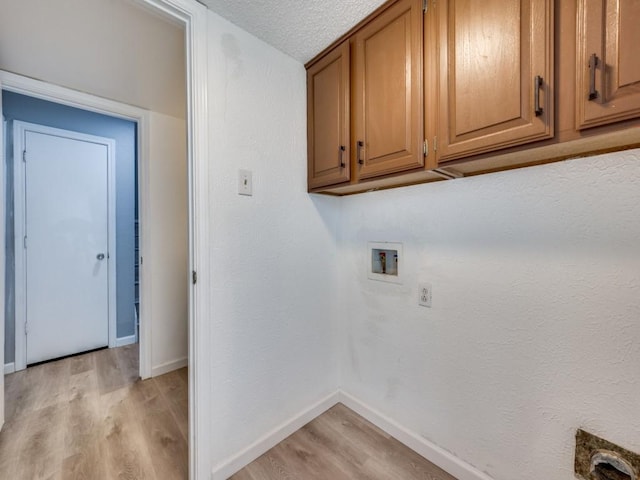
(271, 439)
(122, 341)
(9, 368)
(435, 454)
(169, 366)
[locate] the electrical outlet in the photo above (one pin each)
(424, 294)
(245, 183)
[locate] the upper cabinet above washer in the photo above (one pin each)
(495, 67)
(328, 118)
(387, 92)
(441, 89)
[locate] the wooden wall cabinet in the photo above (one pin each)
(387, 91)
(328, 119)
(364, 100)
(607, 62)
(490, 85)
(495, 75)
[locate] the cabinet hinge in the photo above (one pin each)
(24, 241)
(425, 147)
(26, 328)
(194, 277)
(435, 144)
(425, 5)
(24, 155)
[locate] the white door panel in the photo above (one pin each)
(66, 255)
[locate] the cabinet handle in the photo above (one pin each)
(537, 85)
(593, 64)
(360, 145)
(341, 156)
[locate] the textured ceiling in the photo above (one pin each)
(300, 28)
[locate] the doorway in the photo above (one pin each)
(120, 177)
(193, 17)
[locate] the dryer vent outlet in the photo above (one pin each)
(599, 459)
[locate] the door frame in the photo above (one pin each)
(19, 138)
(194, 16)
(3, 221)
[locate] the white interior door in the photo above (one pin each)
(66, 243)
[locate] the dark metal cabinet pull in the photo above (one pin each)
(537, 85)
(341, 156)
(593, 64)
(360, 145)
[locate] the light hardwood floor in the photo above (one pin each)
(341, 445)
(90, 417)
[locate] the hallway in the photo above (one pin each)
(90, 417)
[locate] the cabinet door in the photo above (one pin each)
(328, 84)
(496, 75)
(608, 65)
(387, 91)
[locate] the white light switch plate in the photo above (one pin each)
(245, 183)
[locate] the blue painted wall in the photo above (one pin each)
(27, 109)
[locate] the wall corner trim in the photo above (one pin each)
(232, 465)
(435, 454)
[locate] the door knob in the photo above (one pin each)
(100, 256)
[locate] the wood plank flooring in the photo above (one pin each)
(90, 417)
(341, 445)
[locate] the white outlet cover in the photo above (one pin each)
(424, 294)
(245, 182)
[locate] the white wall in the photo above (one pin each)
(166, 265)
(534, 328)
(535, 325)
(274, 267)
